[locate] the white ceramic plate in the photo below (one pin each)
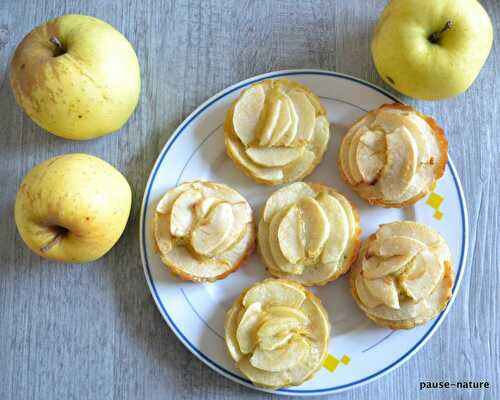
(359, 350)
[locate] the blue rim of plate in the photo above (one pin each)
(207, 360)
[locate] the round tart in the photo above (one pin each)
(276, 131)
(403, 276)
(277, 332)
(393, 156)
(203, 230)
(308, 233)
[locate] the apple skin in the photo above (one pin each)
(408, 61)
(72, 208)
(88, 91)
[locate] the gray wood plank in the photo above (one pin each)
(93, 332)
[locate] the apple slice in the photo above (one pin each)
(353, 149)
(427, 274)
(275, 292)
(285, 197)
(281, 359)
(339, 233)
(203, 207)
(277, 325)
(364, 295)
(247, 113)
(299, 168)
(385, 289)
(230, 326)
(316, 226)
(279, 258)
(210, 234)
(272, 380)
(375, 267)
(275, 342)
(220, 191)
(235, 253)
(370, 155)
(396, 246)
(283, 124)
(247, 326)
(242, 216)
(241, 159)
(165, 203)
(321, 135)
(272, 117)
(180, 259)
(283, 311)
(182, 216)
(392, 120)
(401, 163)
(409, 229)
(273, 156)
(290, 236)
(162, 233)
(291, 133)
(306, 116)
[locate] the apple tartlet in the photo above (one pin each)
(403, 276)
(203, 230)
(276, 131)
(308, 233)
(393, 156)
(277, 332)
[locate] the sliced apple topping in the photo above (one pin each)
(182, 215)
(272, 131)
(399, 280)
(207, 231)
(392, 155)
(308, 233)
(291, 236)
(273, 156)
(213, 231)
(316, 226)
(247, 113)
(281, 339)
(275, 292)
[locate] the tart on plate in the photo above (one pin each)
(403, 276)
(308, 233)
(277, 333)
(276, 131)
(203, 230)
(393, 156)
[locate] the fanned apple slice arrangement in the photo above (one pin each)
(393, 155)
(277, 332)
(203, 230)
(403, 276)
(309, 233)
(276, 131)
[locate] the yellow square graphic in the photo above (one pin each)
(438, 215)
(331, 363)
(434, 200)
(345, 359)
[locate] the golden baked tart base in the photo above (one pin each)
(203, 230)
(277, 333)
(309, 233)
(276, 131)
(393, 156)
(403, 276)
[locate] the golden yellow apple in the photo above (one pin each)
(72, 208)
(431, 49)
(76, 76)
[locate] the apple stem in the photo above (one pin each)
(435, 36)
(60, 232)
(59, 47)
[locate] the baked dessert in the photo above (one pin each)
(203, 230)
(309, 233)
(403, 276)
(277, 332)
(276, 131)
(393, 156)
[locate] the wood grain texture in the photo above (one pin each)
(93, 331)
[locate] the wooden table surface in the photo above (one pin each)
(92, 331)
